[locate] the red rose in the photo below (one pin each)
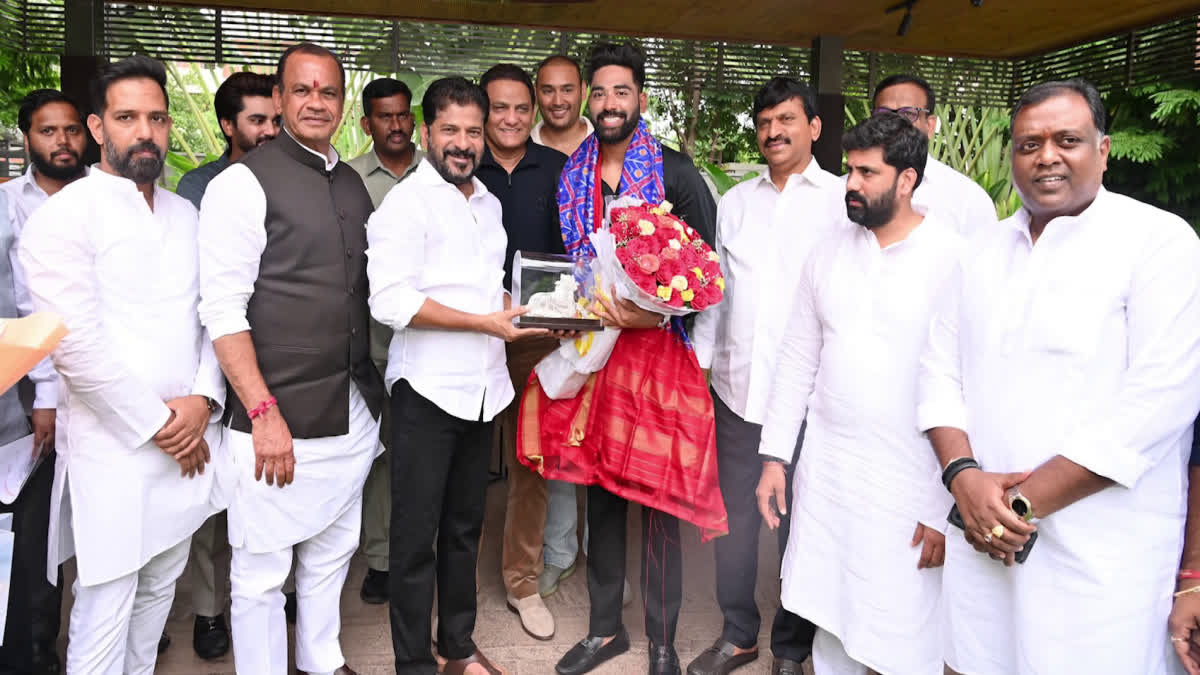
(669, 253)
(667, 270)
(641, 246)
(624, 256)
(676, 299)
(646, 282)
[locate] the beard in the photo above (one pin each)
(440, 160)
(620, 133)
(44, 165)
(246, 144)
(872, 214)
(141, 170)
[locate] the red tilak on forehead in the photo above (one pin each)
(316, 85)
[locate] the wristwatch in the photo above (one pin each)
(1020, 505)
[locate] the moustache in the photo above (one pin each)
(461, 154)
(856, 196)
(613, 113)
(779, 139)
(144, 146)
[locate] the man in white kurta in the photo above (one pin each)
(1066, 362)
(956, 199)
(766, 227)
(115, 256)
(867, 510)
(284, 296)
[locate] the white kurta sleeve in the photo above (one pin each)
(210, 380)
(940, 401)
(232, 239)
(1140, 424)
(395, 259)
(58, 256)
(704, 331)
(795, 370)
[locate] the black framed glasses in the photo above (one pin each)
(910, 113)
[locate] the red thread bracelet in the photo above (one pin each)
(261, 409)
(1189, 574)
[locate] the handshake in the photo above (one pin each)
(182, 437)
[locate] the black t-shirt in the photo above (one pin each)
(686, 190)
(528, 199)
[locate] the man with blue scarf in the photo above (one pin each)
(622, 159)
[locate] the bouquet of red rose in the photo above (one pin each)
(656, 260)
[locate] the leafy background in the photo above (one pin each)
(1154, 129)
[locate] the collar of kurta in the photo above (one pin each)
(1020, 220)
(116, 182)
(811, 173)
(427, 174)
(306, 156)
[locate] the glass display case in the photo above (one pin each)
(558, 290)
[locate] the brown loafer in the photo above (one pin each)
(459, 666)
(720, 659)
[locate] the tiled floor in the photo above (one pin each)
(367, 643)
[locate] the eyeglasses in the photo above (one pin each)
(909, 113)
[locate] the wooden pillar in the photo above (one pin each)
(84, 35)
(827, 80)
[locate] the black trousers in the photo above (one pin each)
(739, 468)
(662, 567)
(34, 605)
(439, 488)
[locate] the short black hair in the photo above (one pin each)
(312, 49)
(1047, 90)
(133, 67)
(443, 92)
(558, 58)
(904, 147)
(780, 89)
(34, 101)
(902, 78)
(625, 55)
(229, 100)
(507, 71)
(384, 87)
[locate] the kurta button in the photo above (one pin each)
(349, 253)
(350, 290)
(353, 331)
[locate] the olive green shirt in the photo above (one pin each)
(377, 177)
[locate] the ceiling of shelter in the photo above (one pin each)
(995, 28)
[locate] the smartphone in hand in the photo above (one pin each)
(956, 520)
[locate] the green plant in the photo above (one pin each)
(1155, 131)
(721, 179)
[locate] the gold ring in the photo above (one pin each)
(998, 531)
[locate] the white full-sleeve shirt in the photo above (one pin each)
(24, 197)
(1086, 345)
(955, 199)
(764, 237)
(428, 240)
(123, 278)
(866, 476)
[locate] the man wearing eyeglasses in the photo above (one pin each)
(957, 199)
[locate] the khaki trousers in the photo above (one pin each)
(525, 515)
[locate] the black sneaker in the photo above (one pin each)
(210, 637)
(374, 587)
(164, 642)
